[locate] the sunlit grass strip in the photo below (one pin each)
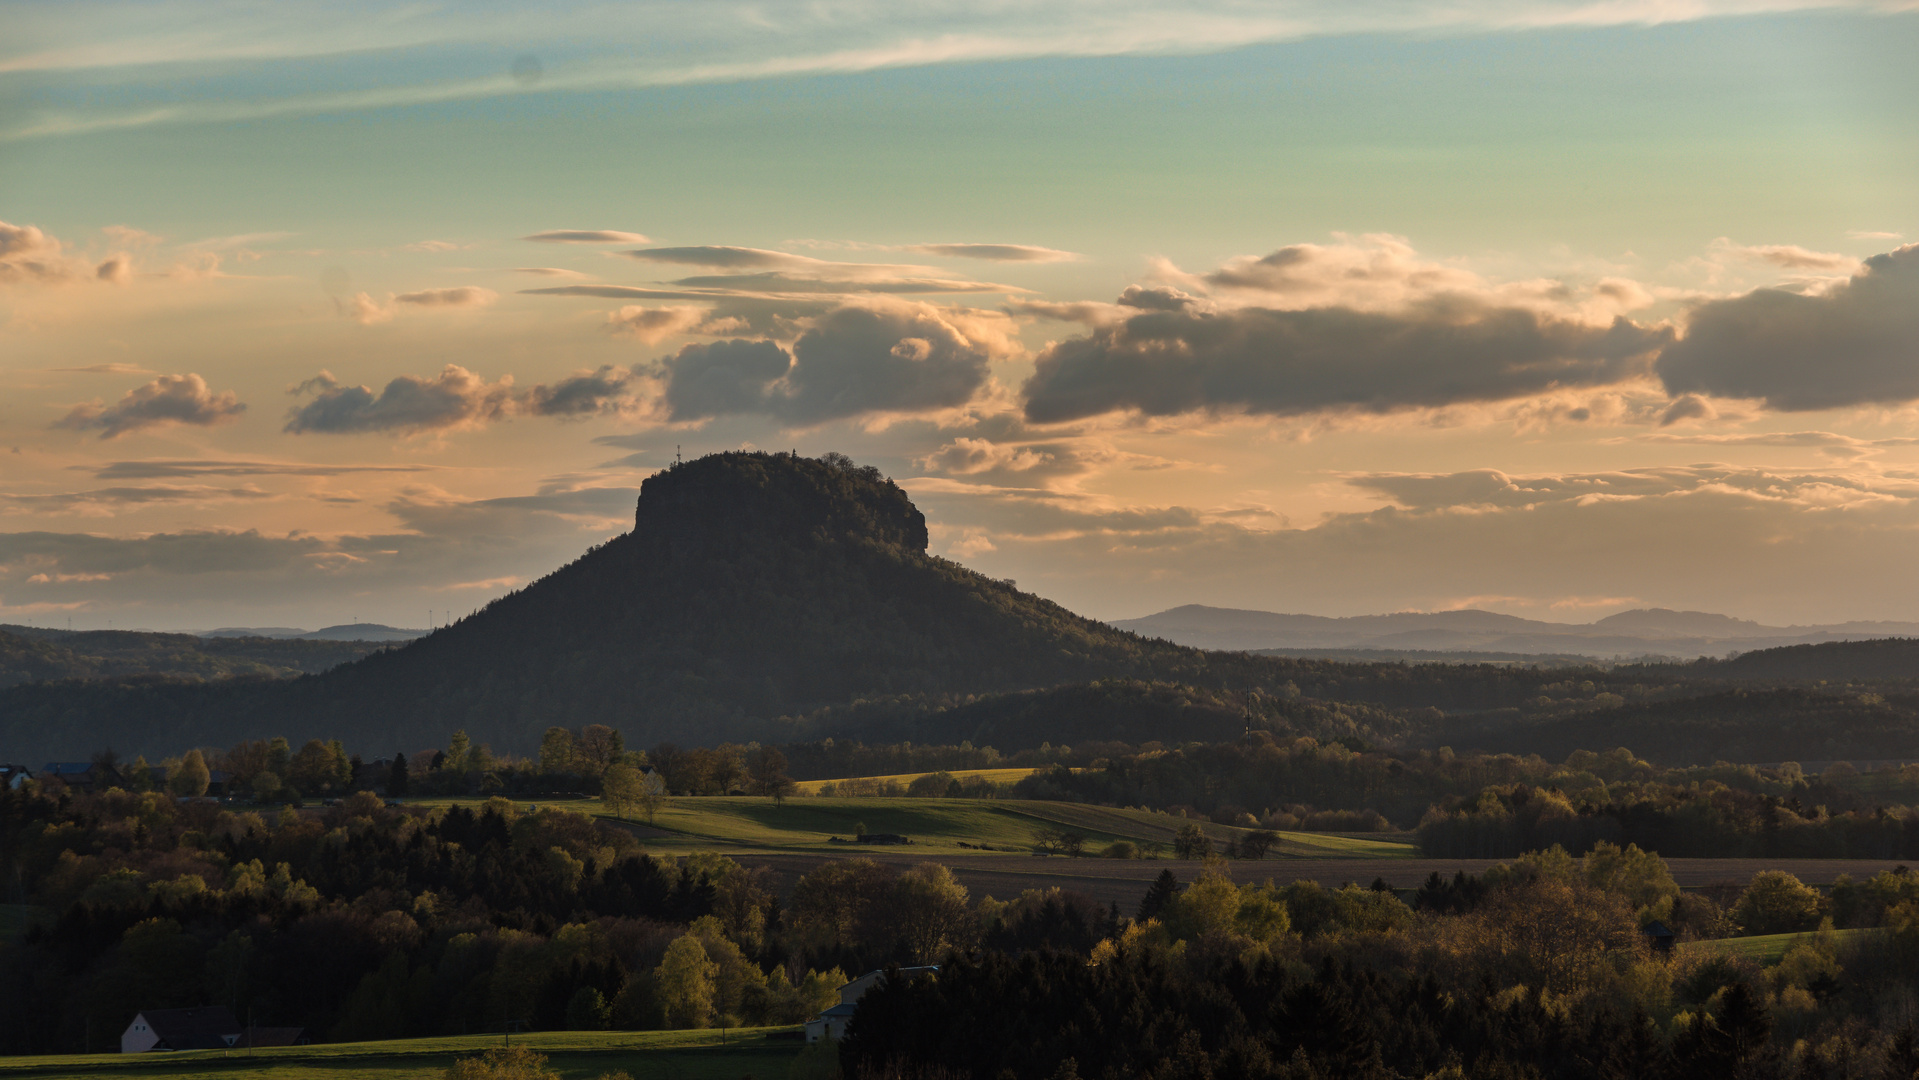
(941, 826)
(1762, 949)
(697, 1055)
(997, 776)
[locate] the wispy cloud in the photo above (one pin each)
(588, 46)
(107, 500)
(586, 236)
(1015, 253)
(161, 468)
(1788, 256)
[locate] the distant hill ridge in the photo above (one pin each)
(359, 631)
(1647, 631)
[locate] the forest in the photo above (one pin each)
(363, 920)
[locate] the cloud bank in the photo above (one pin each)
(169, 399)
(409, 404)
(854, 360)
(1857, 344)
(1286, 363)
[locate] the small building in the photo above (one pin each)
(82, 775)
(1660, 936)
(210, 1027)
(12, 776)
(831, 1024)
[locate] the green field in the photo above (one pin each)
(938, 827)
(1765, 949)
(997, 776)
(575, 1055)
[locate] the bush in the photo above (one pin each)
(1120, 849)
(1777, 903)
(587, 1010)
(1192, 843)
(502, 1063)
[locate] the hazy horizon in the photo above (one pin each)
(316, 315)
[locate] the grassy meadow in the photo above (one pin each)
(997, 776)
(1764, 949)
(946, 828)
(575, 1055)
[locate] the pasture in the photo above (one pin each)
(575, 1055)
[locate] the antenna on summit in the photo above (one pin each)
(676, 453)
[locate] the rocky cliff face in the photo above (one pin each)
(720, 503)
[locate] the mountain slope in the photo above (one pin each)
(752, 586)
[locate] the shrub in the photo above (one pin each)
(1777, 903)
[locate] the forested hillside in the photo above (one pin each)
(32, 654)
(779, 598)
(753, 586)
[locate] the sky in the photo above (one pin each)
(374, 312)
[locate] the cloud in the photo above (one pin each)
(458, 399)
(547, 271)
(106, 500)
(108, 369)
(626, 292)
(782, 282)
(728, 258)
(1855, 344)
(1493, 488)
(161, 468)
(1284, 363)
(723, 377)
(995, 252)
(1687, 407)
(169, 399)
(128, 236)
(435, 512)
(463, 296)
(780, 272)
(1788, 256)
(1867, 234)
(365, 310)
(393, 57)
(28, 254)
(235, 576)
(362, 309)
(117, 269)
(654, 324)
(433, 246)
(853, 360)
(1777, 544)
(586, 236)
(608, 390)
(1015, 464)
(455, 398)
(238, 241)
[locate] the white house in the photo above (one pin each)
(831, 1024)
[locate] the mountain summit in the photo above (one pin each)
(753, 586)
